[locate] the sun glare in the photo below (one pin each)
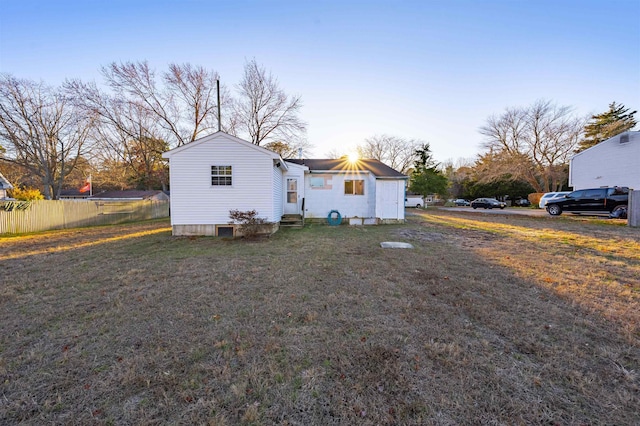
(353, 157)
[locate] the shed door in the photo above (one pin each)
(291, 202)
(389, 199)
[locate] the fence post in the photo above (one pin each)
(633, 210)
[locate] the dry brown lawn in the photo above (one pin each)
(488, 320)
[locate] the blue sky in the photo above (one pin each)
(430, 70)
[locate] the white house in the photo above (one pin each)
(218, 173)
(613, 162)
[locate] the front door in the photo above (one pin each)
(291, 204)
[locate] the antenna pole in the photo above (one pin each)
(218, 86)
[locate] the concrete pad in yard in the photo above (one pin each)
(393, 244)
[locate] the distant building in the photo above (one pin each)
(129, 195)
(73, 194)
(4, 186)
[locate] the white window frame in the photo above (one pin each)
(225, 176)
(354, 186)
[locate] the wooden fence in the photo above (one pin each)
(34, 216)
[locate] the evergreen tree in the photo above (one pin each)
(606, 125)
(426, 179)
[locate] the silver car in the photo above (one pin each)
(551, 196)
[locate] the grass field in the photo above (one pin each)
(488, 320)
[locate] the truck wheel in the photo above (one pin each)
(620, 211)
(554, 210)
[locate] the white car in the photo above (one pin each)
(551, 196)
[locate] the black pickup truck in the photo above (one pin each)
(612, 201)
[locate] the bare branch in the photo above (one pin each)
(396, 152)
(533, 144)
(44, 132)
(263, 111)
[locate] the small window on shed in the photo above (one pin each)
(221, 176)
(624, 138)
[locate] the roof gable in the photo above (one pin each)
(4, 183)
(216, 136)
(627, 137)
(375, 167)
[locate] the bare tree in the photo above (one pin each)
(396, 152)
(335, 153)
(42, 130)
(129, 135)
(263, 112)
(184, 105)
(302, 148)
(533, 144)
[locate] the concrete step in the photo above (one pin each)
(292, 221)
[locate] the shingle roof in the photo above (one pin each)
(376, 167)
(131, 193)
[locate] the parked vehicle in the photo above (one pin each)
(461, 202)
(551, 195)
(612, 201)
(416, 202)
(521, 202)
(487, 203)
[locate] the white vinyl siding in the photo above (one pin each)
(278, 210)
(609, 163)
(331, 196)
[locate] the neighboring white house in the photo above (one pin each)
(613, 162)
(218, 173)
(4, 186)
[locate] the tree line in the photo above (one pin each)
(54, 137)
(525, 150)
